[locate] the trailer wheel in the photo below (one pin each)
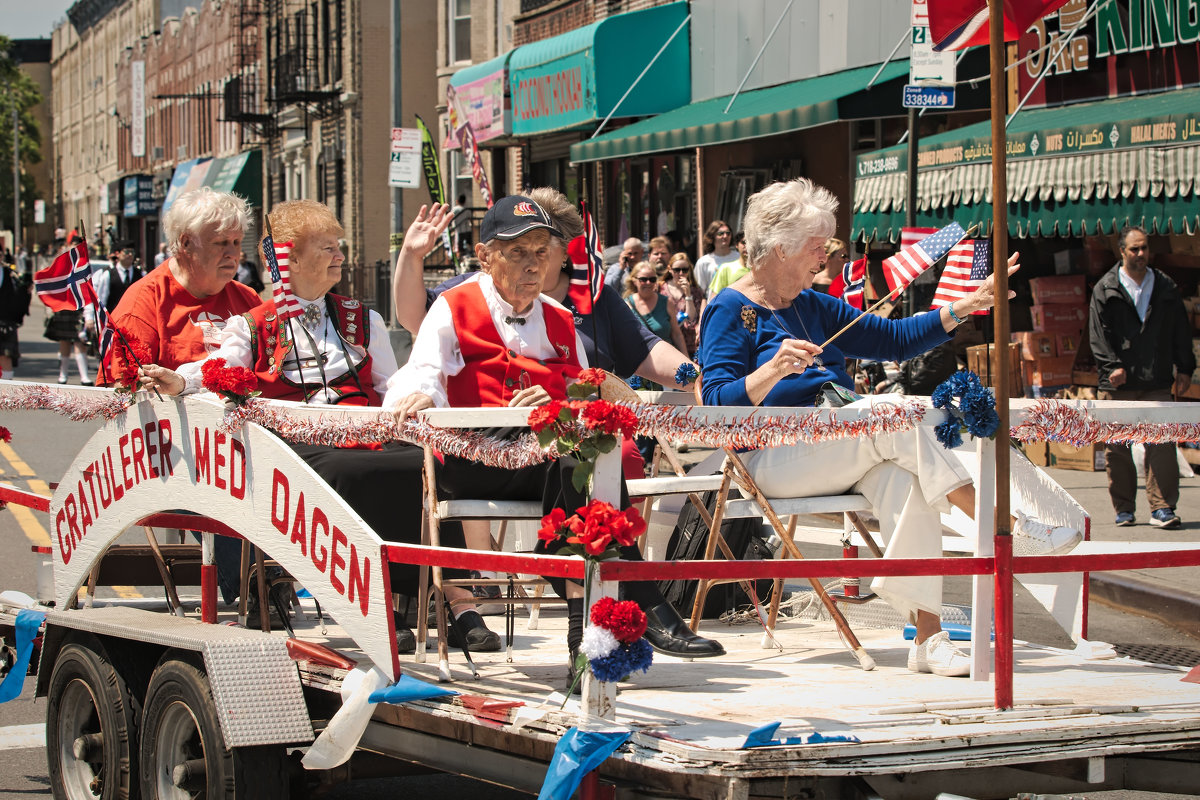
(183, 755)
(91, 728)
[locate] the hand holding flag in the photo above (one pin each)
(911, 261)
(967, 266)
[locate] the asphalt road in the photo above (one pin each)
(43, 446)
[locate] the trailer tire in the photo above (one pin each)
(91, 728)
(182, 743)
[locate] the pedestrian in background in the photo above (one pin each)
(632, 253)
(1142, 342)
(14, 305)
(68, 329)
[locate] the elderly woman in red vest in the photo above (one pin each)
(336, 351)
(497, 341)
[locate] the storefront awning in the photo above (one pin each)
(762, 112)
(1075, 170)
(480, 89)
(240, 174)
(578, 78)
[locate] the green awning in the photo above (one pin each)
(762, 112)
(482, 70)
(578, 78)
(240, 174)
(1074, 170)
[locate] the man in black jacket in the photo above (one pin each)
(1142, 342)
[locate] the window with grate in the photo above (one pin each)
(331, 41)
(458, 34)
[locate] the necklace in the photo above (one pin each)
(817, 360)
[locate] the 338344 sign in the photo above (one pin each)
(176, 455)
(928, 96)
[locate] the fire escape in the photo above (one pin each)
(244, 95)
(294, 55)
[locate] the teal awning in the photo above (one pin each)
(1074, 170)
(762, 112)
(482, 70)
(578, 78)
(240, 174)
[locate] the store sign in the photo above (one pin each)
(1133, 133)
(139, 196)
(137, 105)
(553, 96)
(482, 102)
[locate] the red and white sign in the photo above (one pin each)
(162, 456)
(137, 109)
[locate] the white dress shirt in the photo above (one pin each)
(436, 353)
(1139, 293)
(235, 349)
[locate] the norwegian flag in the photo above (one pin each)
(277, 256)
(66, 285)
(854, 282)
(911, 261)
(105, 331)
(587, 265)
(955, 24)
(967, 267)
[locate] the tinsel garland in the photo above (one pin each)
(1057, 421)
(1049, 419)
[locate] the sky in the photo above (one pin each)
(22, 19)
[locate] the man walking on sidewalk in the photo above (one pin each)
(1142, 343)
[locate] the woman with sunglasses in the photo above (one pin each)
(836, 256)
(657, 311)
(336, 351)
(677, 284)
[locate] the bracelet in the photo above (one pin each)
(957, 319)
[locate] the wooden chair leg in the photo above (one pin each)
(244, 583)
(264, 611)
(168, 583)
(858, 524)
(430, 483)
(710, 547)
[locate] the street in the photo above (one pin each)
(44, 444)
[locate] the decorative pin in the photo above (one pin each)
(750, 319)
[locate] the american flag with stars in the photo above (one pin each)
(967, 266)
(277, 256)
(587, 266)
(911, 261)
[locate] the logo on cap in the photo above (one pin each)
(525, 210)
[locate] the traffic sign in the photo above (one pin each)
(928, 96)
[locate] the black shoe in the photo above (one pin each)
(574, 686)
(669, 634)
(479, 638)
(406, 640)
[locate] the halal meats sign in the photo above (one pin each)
(170, 456)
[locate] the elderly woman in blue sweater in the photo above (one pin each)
(761, 347)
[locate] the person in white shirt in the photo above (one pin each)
(718, 251)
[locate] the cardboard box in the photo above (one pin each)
(1068, 343)
(1069, 289)
(1036, 345)
(1055, 371)
(1058, 318)
(1037, 453)
(1082, 377)
(1086, 459)
(979, 356)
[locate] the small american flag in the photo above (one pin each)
(277, 256)
(967, 266)
(911, 261)
(587, 267)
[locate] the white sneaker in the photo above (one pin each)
(939, 655)
(1032, 537)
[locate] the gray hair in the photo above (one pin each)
(562, 214)
(787, 214)
(203, 208)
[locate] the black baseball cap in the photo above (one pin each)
(513, 216)
(125, 244)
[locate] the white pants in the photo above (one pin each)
(905, 476)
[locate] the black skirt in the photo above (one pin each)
(64, 326)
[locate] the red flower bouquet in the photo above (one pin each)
(595, 530)
(237, 384)
(129, 353)
(623, 618)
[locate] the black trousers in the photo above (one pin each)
(385, 488)
(550, 482)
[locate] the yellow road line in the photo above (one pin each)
(33, 529)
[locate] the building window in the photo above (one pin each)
(331, 23)
(459, 33)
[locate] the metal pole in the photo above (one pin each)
(761, 50)
(16, 125)
(1003, 569)
(910, 207)
(638, 79)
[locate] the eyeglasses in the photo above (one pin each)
(646, 280)
(680, 270)
(722, 233)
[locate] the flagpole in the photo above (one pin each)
(1003, 526)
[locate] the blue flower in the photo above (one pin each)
(975, 413)
(685, 374)
(634, 382)
(625, 660)
(948, 433)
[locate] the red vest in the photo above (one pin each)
(272, 350)
(492, 373)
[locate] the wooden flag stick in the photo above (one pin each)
(889, 296)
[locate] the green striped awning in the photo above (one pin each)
(1142, 171)
(762, 112)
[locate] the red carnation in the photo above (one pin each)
(622, 618)
(609, 418)
(593, 376)
(129, 353)
(5, 434)
(552, 526)
(543, 417)
(236, 383)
